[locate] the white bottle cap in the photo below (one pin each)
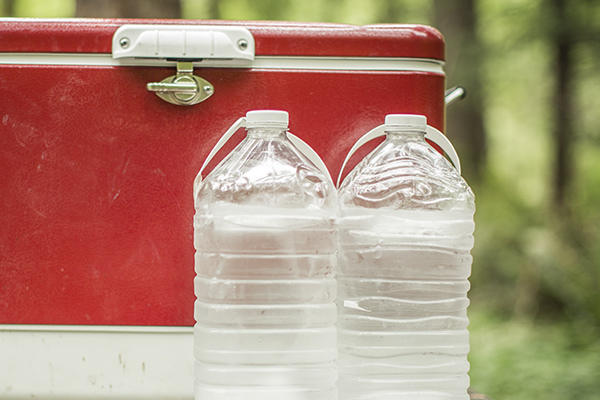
(405, 121)
(270, 118)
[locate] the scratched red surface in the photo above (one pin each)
(96, 173)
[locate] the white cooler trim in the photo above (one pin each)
(260, 62)
(96, 362)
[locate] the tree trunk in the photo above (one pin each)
(563, 97)
(214, 11)
(457, 21)
(8, 8)
(164, 9)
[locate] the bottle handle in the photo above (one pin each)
(241, 122)
(431, 134)
(310, 153)
(445, 144)
(301, 145)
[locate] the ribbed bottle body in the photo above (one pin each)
(406, 232)
(402, 299)
(265, 313)
(265, 238)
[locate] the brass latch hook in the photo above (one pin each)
(184, 89)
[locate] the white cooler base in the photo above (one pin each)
(96, 362)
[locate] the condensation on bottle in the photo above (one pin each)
(406, 232)
(265, 238)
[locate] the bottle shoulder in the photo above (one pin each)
(406, 175)
(268, 172)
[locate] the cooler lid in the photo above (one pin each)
(271, 38)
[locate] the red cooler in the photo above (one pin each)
(104, 126)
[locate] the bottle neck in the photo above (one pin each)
(411, 134)
(262, 132)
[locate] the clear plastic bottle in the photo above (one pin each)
(406, 231)
(265, 238)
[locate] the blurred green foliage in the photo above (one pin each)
(536, 274)
(518, 359)
(41, 8)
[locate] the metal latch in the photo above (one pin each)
(184, 45)
(184, 88)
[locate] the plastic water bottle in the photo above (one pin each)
(406, 231)
(265, 238)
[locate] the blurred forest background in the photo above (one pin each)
(528, 133)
